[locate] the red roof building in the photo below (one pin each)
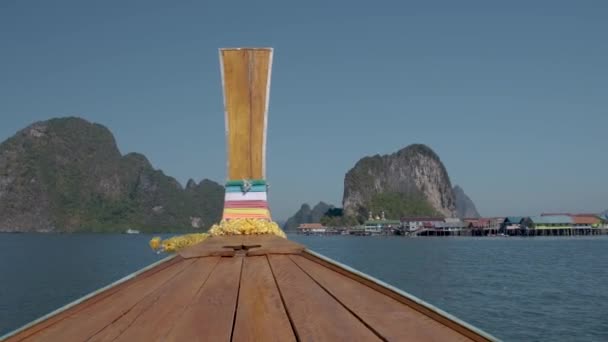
(312, 227)
(585, 219)
(479, 223)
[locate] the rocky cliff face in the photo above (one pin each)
(464, 205)
(67, 174)
(307, 215)
(414, 175)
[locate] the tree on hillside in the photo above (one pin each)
(396, 205)
(334, 217)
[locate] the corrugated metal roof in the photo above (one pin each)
(555, 214)
(585, 219)
(421, 219)
(479, 220)
(513, 219)
(369, 222)
(310, 226)
(553, 219)
(453, 224)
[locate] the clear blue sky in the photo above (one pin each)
(512, 95)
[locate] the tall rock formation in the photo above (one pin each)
(307, 215)
(412, 181)
(67, 174)
(464, 205)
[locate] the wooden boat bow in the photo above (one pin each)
(249, 288)
(234, 287)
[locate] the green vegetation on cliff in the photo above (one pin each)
(397, 205)
(67, 174)
(307, 215)
(411, 181)
(334, 217)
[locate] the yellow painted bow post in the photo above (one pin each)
(246, 84)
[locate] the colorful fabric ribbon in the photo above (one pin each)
(246, 199)
(245, 212)
(253, 188)
(248, 196)
(246, 204)
(249, 181)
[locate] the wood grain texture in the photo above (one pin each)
(245, 81)
(398, 297)
(90, 302)
(260, 313)
(260, 64)
(315, 315)
(211, 314)
(273, 296)
(271, 244)
(154, 316)
(238, 111)
(390, 319)
(212, 246)
(225, 246)
(87, 322)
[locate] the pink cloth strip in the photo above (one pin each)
(246, 204)
(251, 216)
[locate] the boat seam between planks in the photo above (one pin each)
(402, 293)
(376, 332)
(276, 283)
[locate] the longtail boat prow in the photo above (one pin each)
(244, 280)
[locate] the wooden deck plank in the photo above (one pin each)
(260, 313)
(424, 310)
(212, 246)
(315, 315)
(152, 317)
(210, 316)
(87, 322)
(271, 244)
(272, 296)
(218, 246)
(391, 319)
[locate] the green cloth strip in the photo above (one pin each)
(251, 181)
(254, 188)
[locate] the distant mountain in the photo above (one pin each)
(464, 205)
(67, 175)
(411, 181)
(307, 215)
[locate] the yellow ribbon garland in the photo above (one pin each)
(177, 242)
(246, 226)
(240, 226)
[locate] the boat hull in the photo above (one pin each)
(241, 288)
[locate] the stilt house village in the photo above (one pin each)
(545, 224)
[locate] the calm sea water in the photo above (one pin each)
(518, 289)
